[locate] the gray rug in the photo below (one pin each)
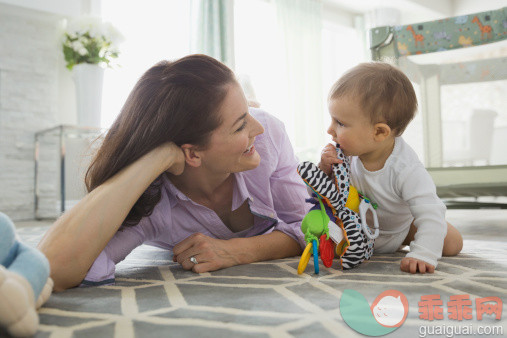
(154, 297)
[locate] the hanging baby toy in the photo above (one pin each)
(339, 216)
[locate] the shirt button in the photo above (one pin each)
(271, 215)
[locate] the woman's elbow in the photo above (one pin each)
(65, 270)
(65, 278)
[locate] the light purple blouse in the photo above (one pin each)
(274, 191)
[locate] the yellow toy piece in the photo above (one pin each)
(353, 200)
(305, 258)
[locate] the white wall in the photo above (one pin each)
(462, 7)
(335, 14)
(58, 7)
(55, 11)
(36, 92)
(28, 100)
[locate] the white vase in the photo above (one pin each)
(88, 79)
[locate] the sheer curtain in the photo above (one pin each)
(259, 56)
(213, 29)
(278, 49)
(300, 33)
(276, 43)
(153, 30)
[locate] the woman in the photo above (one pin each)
(186, 166)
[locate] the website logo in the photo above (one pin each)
(387, 312)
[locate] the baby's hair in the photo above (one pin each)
(383, 91)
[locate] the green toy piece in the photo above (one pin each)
(315, 224)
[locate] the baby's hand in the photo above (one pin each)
(328, 157)
(413, 265)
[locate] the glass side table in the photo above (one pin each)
(62, 155)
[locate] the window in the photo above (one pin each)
(154, 30)
(162, 30)
(261, 58)
(341, 50)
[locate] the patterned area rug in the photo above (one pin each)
(154, 297)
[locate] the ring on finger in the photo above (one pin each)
(193, 260)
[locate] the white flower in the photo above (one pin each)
(112, 34)
(96, 30)
(79, 48)
(77, 45)
(114, 49)
(84, 24)
(88, 39)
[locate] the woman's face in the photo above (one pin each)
(231, 144)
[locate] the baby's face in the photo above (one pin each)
(350, 127)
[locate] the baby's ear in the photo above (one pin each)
(382, 131)
(192, 155)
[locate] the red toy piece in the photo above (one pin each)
(326, 251)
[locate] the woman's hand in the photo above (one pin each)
(328, 157)
(174, 156)
(211, 254)
(413, 265)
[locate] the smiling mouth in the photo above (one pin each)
(250, 150)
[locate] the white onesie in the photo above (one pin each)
(405, 193)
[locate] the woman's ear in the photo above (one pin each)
(192, 155)
(382, 131)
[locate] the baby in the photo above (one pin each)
(370, 107)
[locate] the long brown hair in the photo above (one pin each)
(172, 102)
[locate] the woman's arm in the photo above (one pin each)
(77, 237)
(214, 254)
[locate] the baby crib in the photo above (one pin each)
(451, 62)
